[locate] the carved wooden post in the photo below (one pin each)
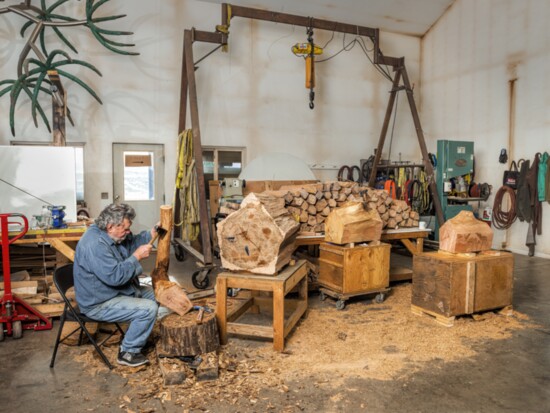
(167, 292)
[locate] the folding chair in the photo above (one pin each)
(63, 279)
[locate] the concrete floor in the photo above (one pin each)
(510, 375)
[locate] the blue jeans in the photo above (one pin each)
(141, 313)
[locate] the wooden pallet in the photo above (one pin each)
(440, 319)
(449, 321)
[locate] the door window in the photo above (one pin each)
(139, 176)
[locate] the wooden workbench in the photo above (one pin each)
(279, 285)
(57, 238)
(412, 238)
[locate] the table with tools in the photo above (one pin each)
(57, 238)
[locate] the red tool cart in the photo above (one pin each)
(15, 313)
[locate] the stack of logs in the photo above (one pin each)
(311, 204)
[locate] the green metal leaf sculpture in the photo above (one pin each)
(34, 73)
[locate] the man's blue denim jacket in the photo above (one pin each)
(104, 269)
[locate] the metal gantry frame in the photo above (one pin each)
(220, 37)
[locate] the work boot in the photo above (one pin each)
(127, 358)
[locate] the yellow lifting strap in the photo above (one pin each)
(186, 189)
(224, 28)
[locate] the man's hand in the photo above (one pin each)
(143, 252)
(154, 230)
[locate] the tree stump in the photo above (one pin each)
(183, 336)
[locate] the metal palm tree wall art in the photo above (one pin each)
(41, 68)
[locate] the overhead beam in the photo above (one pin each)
(239, 11)
(208, 37)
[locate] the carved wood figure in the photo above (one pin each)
(167, 293)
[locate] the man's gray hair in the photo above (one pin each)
(115, 214)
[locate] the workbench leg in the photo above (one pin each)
(411, 246)
(303, 290)
(221, 308)
(279, 317)
(420, 245)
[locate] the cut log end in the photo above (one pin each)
(171, 295)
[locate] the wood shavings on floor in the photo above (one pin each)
(366, 340)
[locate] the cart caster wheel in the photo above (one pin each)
(322, 296)
(233, 292)
(200, 279)
(179, 252)
(1, 331)
(340, 304)
(380, 298)
(17, 329)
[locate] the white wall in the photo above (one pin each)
(468, 59)
(253, 96)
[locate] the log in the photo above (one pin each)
(167, 293)
(465, 233)
(183, 336)
(208, 369)
(298, 201)
(320, 205)
(352, 224)
(259, 237)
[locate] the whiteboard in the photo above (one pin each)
(44, 172)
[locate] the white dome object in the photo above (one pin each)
(277, 166)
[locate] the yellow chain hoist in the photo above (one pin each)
(308, 51)
(304, 50)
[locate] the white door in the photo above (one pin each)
(138, 176)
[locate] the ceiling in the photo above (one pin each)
(411, 17)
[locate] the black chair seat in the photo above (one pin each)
(63, 279)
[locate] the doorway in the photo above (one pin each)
(138, 180)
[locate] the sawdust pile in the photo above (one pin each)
(366, 340)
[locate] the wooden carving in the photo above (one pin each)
(167, 293)
(352, 223)
(259, 237)
(465, 233)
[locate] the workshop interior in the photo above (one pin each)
(350, 195)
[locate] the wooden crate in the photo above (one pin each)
(354, 270)
(449, 285)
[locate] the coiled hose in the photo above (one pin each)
(504, 219)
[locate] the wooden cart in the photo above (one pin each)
(351, 271)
